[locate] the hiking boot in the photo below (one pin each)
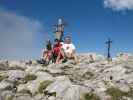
(41, 61)
(64, 60)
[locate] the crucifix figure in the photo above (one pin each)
(59, 29)
(109, 46)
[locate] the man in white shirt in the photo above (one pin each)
(69, 49)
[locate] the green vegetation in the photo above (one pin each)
(44, 65)
(42, 70)
(3, 77)
(88, 75)
(43, 85)
(8, 88)
(10, 97)
(30, 77)
(50, 94)
(16, 68)
(117, 94)
(25, 92)
(90, 96)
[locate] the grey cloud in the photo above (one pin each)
(17, 33)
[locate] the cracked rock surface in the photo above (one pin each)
(87, 80)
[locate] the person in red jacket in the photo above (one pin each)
(57, 52)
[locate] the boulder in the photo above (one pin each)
(33, 86)
(74, 92)
(4, 85)
(6, 95)
(14, 65)
(33, 69)
(15, 75)
(23, 97)
(60, 86)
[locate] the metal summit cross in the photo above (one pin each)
(59, 29)
(109, 46)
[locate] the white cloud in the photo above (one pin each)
(119, 5)
(17, 34)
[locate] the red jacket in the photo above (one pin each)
(57, 48)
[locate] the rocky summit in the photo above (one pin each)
(90, 79)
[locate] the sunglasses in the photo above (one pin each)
(67, 39)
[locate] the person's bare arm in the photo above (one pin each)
(73, 51)
(43, 53)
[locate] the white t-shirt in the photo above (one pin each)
(68, 48)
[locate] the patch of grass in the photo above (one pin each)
(10, 97)
(30, 77)
(117, 94)
(88, 75)
(3, 77)
(42, 70)
(8, 88)
(107, 83)
(43, 85)
(45, 65)
(16, 68)
(25, 92)
(50, 94)
(90, 96)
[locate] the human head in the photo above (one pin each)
(56, 41)
(68, 39)
(49, 45)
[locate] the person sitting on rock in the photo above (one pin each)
(57, 54)
(69, 49)
(47, 54)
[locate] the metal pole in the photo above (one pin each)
(109, 46)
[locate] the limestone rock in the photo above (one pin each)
(5, 85)
(67, 81)
(61, 84)
(15, 74)
(33, 86)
